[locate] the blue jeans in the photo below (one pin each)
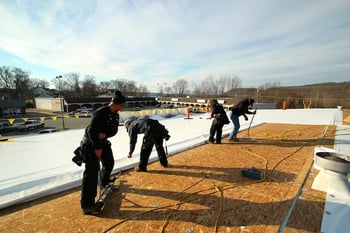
(236, 126)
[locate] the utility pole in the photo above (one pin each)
(61, 99)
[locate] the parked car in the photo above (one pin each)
(29, 125)
(72, 113)
(47, 131)
(6, 127)
(83, 114)
(84, 109)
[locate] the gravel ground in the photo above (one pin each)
(202, 190)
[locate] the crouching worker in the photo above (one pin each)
(154, 133)
(96, 147)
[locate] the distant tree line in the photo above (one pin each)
(72, 86)
(322, 95)
(19, 84)
(16, 82)
(210, 86)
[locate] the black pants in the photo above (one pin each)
(149, 140)
(92, 167)
(215, 129)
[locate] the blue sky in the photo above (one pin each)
(160, 41)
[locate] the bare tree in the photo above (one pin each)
(210, 85)
(23, 84)
(131, 88)
(7, 81)
(206, 86)
(39, 83)
(167, 90)
(268, 85)
(89, 87)
(224, 82)
(73, 81)
(63, 85)
(142, 90)
(196, 89)
(104, 87)
(180, 87)
(120, 84)
(127, 87)
(235, 82)
(16, 82)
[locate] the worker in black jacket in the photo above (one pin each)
(219, 117)
(154, 134)
(96, 147)
(240, 109)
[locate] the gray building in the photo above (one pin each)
(72, 104)
(12, 107)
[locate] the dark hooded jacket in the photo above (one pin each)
(242, 107)
(104, 121)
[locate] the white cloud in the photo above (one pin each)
(165, 40)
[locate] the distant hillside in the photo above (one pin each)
(321, 95)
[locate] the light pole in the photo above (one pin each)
(257, 93)
(61, 99)
(161, 88)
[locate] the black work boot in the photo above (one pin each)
(138, 169)
(91, 210)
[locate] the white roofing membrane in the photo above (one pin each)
(38, 165)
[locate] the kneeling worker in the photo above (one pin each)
(154, 133)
